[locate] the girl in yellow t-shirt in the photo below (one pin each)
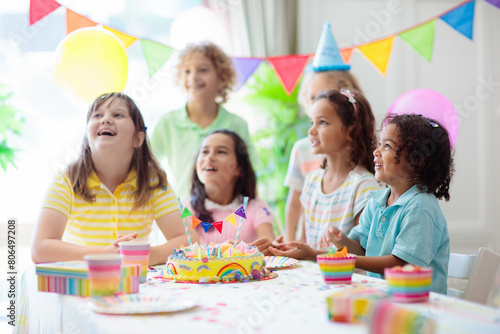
(113, 192)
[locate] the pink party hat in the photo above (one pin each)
(327, 57)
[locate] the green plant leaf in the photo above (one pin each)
(10, 120)
(267, 97)
(7, 156)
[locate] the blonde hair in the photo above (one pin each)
(337, 79)
(222, 63)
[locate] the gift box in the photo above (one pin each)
(71, 278)
(353, 305)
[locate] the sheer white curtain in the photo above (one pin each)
(259, 28)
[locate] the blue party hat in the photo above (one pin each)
(327, 57)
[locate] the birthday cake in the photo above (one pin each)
(216, 263)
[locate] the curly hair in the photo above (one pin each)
(143, 161)
(425, 144)
(246, 185)
(358, 117)
(336, 79)
(221, 61)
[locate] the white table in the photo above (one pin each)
(294, 302)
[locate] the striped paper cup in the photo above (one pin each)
(104, 273)
(136, 252)
(408, 286)
(337, 270)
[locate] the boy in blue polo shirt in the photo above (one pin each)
(404, 223)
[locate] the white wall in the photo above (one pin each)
(458, 69)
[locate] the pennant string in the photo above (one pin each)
(157, 53)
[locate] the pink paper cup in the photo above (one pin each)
(408, 286)
(104, 272)
(136, 252)
(336, 270)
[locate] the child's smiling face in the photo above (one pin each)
(386, 168)
(110, 127)
(200, 77)
(217, 164)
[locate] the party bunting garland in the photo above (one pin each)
(288, 68)
(195, 221)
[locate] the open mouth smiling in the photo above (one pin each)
(106, 132)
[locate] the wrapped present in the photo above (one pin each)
(353, 305)
(71, 278)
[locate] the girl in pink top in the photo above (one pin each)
(222, 176)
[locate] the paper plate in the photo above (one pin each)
(274, 262)
(140, 304)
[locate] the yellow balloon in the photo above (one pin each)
(91, 62)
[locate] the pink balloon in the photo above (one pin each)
(430, 104)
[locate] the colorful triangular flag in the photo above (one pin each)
(327, 56)
(421, 38)
(186, 213)
(76, 21)
(41, 8)
(231, 219)
(462, 19)
(206, 226)
(495, 3)
(346, 54)
(378, 52)
(156, 54)
(195, 221)
(288, 68)
(126, 39)
(218, 226)
(241, 212)
(244, 68)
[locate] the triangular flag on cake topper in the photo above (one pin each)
(327, 56)
(206, 226)
(218, 226)
(195, 221)
(186, 213)
(241, 212)
(231, 219)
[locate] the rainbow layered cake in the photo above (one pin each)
(337, 266)
(408, 283)
(215, 263)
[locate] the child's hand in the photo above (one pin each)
(263, 245)
(114, 246)
(279, 244)
(332, 236)
(297, 250)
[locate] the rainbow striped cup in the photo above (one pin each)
(104, 273)
(408, 284)
(336, 270)
(136, 252)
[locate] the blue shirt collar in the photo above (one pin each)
(380, 197)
